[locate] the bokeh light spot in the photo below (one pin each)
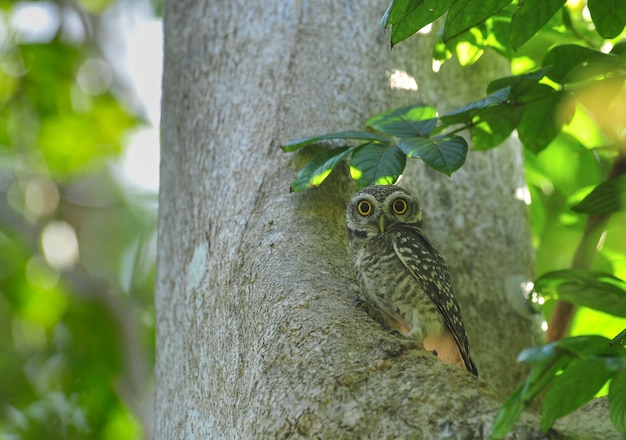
(60, 245)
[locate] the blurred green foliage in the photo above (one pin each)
(77, 245)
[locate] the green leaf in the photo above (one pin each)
(406, 17)
(508, 414)
(495, 124)
(465, 114)
(619, 340)
(530, 16)
(585, 345)
(409, 121)
(296, 144)
(572, 63)
(465, 14)
(609, 16)
(518, 84)
(606, 198)
(578, 384)
(542, 373)
(597, 290)
(541, 121)
(375, 164)
(445, 153)
(617, 401)
(317, 170)
(539, 353)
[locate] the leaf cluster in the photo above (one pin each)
(518, 22)
(573, 370)
(380, 155)
(536, 104)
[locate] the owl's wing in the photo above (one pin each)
(427, 266)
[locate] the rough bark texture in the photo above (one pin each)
(258, 335)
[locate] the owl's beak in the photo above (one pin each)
(382, 224)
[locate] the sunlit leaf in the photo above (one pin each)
(375, 164)
(619, 340)
(609, 16)
(617, 401)
(296, 144)
(578, 384)
(469, 47)
(607, 197)
(465, 14)
(530, 16)
(406, 17)
(409, 121)
(445, 153)
(318, 169)
(598, 290)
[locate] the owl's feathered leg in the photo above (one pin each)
(445, 347)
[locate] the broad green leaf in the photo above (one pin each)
(406, 17)
(518, 84)
(585, 345)
(542, 373)
(495, 125)
(465, 14)
(597, 290)
(375, 164)
(409, 121)
(617, 401)
(547, 362)
(572, 63)
(445, 153)
(317, 170)
(508, 414)
(578, 384)
(296, 144)
(606, 198)
(609, 16)
(541, 121)
(530, 16)
(465, 114)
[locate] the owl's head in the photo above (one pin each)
(380, 208)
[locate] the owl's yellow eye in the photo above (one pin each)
(399, 206)
(364, 207)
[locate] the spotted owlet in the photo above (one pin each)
(402, 277)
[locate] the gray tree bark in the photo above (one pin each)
(257, 334)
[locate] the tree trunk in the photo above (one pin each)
(258, 335)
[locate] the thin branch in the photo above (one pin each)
(583, 258)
